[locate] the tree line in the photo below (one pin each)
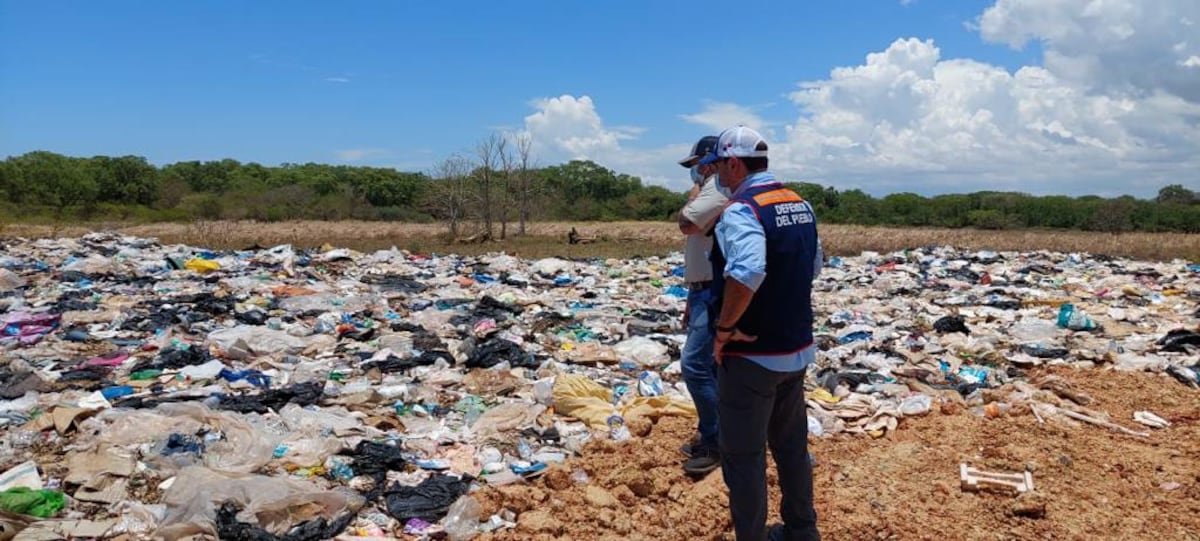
(1174, 209)
(495, 190)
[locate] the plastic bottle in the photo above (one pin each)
(617, 429)
(650, 384)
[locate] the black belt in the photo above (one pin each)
(699, 286)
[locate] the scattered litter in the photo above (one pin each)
(288, 393)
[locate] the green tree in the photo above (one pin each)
(53, 179)
(127, 179)
(1177, 194)
(1114, 215)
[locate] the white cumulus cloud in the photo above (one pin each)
(570, 126)
(720, 115)
(1113, 109)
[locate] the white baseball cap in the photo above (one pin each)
(737, 142)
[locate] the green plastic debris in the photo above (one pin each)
(471, 407)
(142, 375)
(26, 501)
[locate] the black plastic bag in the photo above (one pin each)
(301, 394)
(371, 458)
(1042, 352)
(951, 324)
(1178, 340)
(428, 501)
(395, 364)
(229, 528)
(174, 359)
(497, 350)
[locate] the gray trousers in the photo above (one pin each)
(760, 407)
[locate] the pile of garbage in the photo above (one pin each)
(280, 393)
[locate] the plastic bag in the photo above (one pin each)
(275, 504)
(244, 341)
(202, 265)
(643, 351)
(240, 447)
(37, 503)
(1033, 331)
(462, 520)
(229, 528)
(1071, 318)
(506, 417)
(543, 391)
(208, 370)
(814, 426)
(430, 500)
(917, 404)
(579, 397)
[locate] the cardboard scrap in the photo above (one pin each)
(64, 420)
(22, 475)
(55, 530)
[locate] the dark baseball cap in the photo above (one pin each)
(703, 147)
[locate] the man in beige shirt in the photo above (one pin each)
(699, 372)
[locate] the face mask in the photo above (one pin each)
(697, 177)
(721, 187)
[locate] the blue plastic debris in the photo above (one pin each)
(677, 291)
(254, 377)
(118, 391)
(855, 337)
(521, 469)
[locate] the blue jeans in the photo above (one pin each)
(699, 370)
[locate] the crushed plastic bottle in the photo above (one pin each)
(617, 429)
(650, 384)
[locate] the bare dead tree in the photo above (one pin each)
(524, 173)
(489, 153)
(451, 193)
(508, 162)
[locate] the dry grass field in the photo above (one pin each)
(615, 239)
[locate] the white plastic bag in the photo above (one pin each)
(462, 520)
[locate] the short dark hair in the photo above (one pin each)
(755, 165)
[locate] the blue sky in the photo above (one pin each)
(629, 84)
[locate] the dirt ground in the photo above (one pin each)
(1092, 483)
(612, 239)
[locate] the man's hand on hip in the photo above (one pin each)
(724, 337)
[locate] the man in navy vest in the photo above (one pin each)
(765, 257)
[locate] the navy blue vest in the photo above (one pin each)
(780, 313)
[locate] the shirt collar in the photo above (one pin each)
(755, 179)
